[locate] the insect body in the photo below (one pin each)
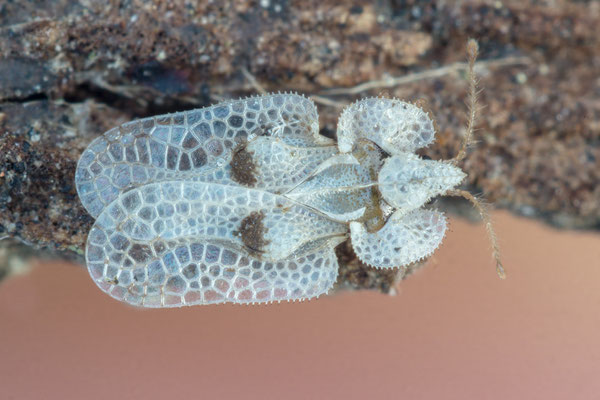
(245, 202)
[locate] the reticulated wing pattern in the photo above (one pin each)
(279, 166)
(194, 145)
(394, 125)
(339, 188)
(404, 239)
(268, 224)
(188, 271)
(184, 242)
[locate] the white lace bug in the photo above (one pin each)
(244, 201)
(189, 211)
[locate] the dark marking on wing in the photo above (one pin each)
(140, 253)
(252, 232)
(243, 169)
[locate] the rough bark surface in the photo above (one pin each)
(69, 70)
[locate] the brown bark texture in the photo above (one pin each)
(70, 70)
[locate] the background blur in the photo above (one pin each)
(454, 331)
(71, 69)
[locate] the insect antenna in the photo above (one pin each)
(472, 106)
(473, 110)
(485, 216)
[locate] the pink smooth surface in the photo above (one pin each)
(454, 331)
